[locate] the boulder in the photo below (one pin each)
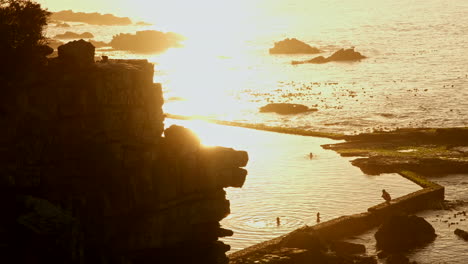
(77, 53)
(293, 46)
(181, 140)
(400, 233)
(340, 55)
(286, 109)
(461, 233)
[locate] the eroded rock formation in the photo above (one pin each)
(88, 177)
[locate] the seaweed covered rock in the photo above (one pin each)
(293, 46)
(340, 55)
(400, 233)
(285, 108)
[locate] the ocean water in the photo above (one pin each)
(416, 75)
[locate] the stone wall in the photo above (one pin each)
(86, 175)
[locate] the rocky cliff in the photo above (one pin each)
(88, 174)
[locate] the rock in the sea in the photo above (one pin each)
(73, 35)
(147, 41)
(346, 55)
(400, 233)
(340, 55)
(78, 53)
(293, 46)
(286, 109)
(461, 233)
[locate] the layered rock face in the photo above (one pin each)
(87, 176)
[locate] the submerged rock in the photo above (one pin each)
(293, 46)
(400, 233)
(340, 55)
(286, 109)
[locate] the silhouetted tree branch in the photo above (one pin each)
(22, 40)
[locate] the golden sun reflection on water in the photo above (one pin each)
(203, 79)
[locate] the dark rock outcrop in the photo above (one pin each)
(293, 46)
(77, 53)
(148, 41)
(85, 147)
(340, 55)
(73, 35)
(400, 233)
(286, 109)
(91, 18)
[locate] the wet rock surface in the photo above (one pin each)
(293, 46)
(286, 109)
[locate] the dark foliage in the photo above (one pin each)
(22, 48)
